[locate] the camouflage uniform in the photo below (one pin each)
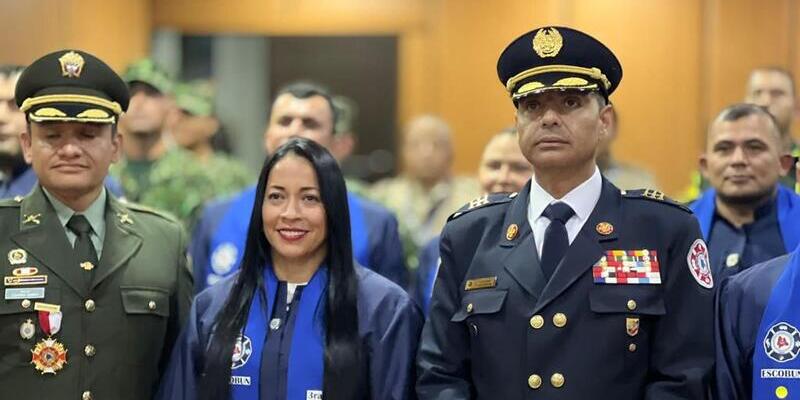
(176, 183)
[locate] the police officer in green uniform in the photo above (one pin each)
(95, 290)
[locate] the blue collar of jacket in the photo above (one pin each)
(788, 211)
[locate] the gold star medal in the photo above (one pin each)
(49, 356)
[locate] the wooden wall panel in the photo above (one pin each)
(658, 100)
(117, 31)
(683, 59)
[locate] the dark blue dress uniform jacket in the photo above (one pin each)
(482, 344)
(389, 323)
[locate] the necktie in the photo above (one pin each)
(84, 249)
(556, 241)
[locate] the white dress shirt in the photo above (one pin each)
(582, 199)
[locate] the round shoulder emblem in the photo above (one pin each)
(782, 342)
(699, 264)
(241, 352)
(224, 258)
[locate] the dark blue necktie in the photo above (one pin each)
(556, 241)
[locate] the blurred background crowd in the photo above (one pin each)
(420, 117)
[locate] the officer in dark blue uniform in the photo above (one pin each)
(304, 110)
(573, 288)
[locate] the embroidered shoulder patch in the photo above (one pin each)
(653, 195)
(699, 264)
(483, 201)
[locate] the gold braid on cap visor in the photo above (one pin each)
(71, 98)
(594, 73)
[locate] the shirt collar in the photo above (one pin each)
(582, 198)
(95, 214)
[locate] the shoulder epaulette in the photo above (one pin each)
(653, 195)
(145, 209)
(13, 202)
(483, 201)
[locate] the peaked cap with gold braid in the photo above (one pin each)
(71, 86)
(557, 58)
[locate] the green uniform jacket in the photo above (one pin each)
(119, 342)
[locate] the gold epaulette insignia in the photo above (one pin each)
(483, 200)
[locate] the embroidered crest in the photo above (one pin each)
(241, 352)
(547, 42)
(71, 64)
(17, 257)
(782, 342)
(699, 264)
(223, 258)
(627, 267)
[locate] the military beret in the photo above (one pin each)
(557, 58)
(147, 71)
(71, 85)
(195, 98)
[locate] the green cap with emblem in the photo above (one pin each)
(195, 98)
(71, 86)
(148, 72)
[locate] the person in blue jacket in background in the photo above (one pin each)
(299, 110)
(300, 320)
(747, 217)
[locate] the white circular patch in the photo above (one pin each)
(699, 264)
(224, 258)
(782, 342)
(241, 352)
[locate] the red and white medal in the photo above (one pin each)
(49, 356)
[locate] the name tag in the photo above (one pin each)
(25, 280)
(24, 293)
(780, 373)
(481, 283)
(240, 380)
(314, 395)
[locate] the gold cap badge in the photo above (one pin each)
(547, 42)
(512, 231)
(604, 228)
(71, 64)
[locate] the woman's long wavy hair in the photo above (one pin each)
(344, 376)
